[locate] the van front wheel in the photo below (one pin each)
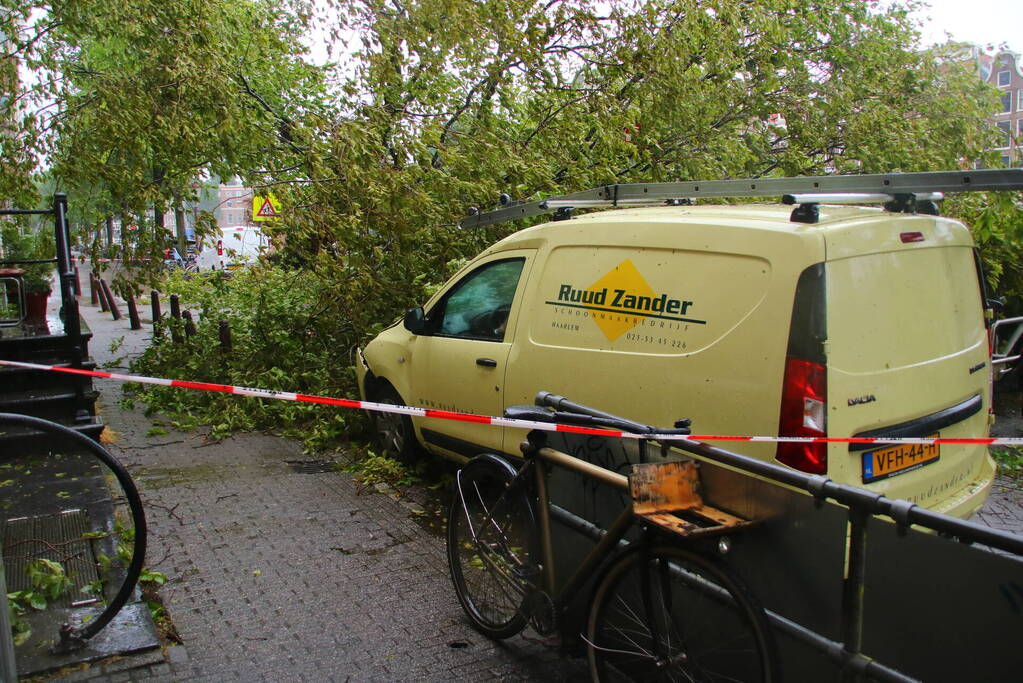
(394, 432)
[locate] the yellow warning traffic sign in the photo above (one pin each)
(265, 207)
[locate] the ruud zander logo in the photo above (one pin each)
(623, 299)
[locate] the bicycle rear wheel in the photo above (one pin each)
(491, 535)
(668, 614)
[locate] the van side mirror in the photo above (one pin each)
(415, 320)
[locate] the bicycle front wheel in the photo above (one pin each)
(491, 535)
(668, 614)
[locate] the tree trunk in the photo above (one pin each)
(179, 227)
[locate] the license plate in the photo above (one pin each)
(898, 459)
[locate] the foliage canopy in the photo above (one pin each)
(441, 105)
(134, 103)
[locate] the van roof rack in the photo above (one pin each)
(903, 192)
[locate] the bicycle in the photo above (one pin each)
(659, 611)
(188, 264)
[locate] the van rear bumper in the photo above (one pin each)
(965, 502)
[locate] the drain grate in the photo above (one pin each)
(56, 537)
(311, 466)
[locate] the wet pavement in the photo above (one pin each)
(282, 568)
(1004, 508)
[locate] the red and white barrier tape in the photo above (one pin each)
(499, 421)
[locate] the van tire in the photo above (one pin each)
(395, 435)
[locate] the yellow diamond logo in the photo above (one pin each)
(623, 284)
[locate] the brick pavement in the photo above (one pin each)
(278, 575)
(1004, 508)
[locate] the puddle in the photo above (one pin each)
(166, 477)
(312, 466)
(393, 541)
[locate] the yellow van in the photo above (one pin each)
(749, 319)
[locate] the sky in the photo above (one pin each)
(983, 22)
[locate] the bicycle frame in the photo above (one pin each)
(656, 605)
(539, 459)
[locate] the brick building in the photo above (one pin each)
(234, 204)
(1007, 75)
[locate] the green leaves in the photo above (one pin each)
(146, 99)
(443, 105)
(49, 580)
(996, 220)
(155, 579)
(290, 331)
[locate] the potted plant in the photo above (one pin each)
(33, 246)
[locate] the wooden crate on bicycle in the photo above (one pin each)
(668, 494)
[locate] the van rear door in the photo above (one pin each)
(908, 356)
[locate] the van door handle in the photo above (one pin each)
(486, 362)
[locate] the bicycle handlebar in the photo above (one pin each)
(566, 412)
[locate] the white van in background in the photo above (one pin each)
(231, 248)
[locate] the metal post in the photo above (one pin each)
(154, 298)
(78, 282)
(66, 273)
(225, 337)
(543, 510)
(104, 304)
(114, 310)
(190, 330)
(175, 311)
(93, 295)
(69, 303)
(853, 588)
(133, 313)
(8, 670)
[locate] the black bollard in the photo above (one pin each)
(154, 298)
(175, 312)
(225, 337)
(154, 303)
(190, 330)
(96, 293)
(133, 313)
(114, 310)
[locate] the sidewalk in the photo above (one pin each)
(281, 571)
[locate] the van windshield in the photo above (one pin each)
(901, 308)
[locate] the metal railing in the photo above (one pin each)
(72, 637)
(999, 358)
(65, 270)
(862, 504)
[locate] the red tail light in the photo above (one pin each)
(220, 247)
(804, 413)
